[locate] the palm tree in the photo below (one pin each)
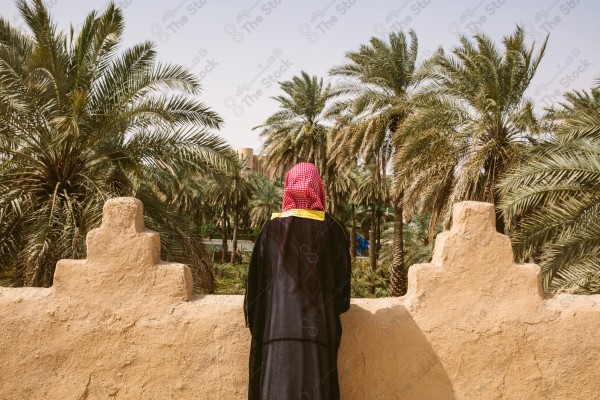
(340, 182)
(229, 193)
(380, 77)
(182, 240)
(554, 197)
(218, 193)
(367, 193)
(81, 122)
(472, 123)
(266, 199)
(417, 244)
(241, 191)
(183, 194)
(297, 131)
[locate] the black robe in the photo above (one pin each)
(298, 285)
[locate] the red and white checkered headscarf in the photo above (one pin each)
(303, 188)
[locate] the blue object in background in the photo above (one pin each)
(362, 244)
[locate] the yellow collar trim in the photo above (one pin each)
(300, 212)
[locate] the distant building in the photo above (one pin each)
(254, 162)
(247, 154)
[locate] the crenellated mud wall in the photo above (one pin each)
(122, 324)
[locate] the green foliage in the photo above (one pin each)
(296, 132)
(81, 122)
(587, 283)
(6, 278)
(553, 199)
(208, 230)
(472, 123)
(266, 199)
(418, 248)
(231, 278)
(375, 89)
(368, 283)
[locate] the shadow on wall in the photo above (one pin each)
(397, 359)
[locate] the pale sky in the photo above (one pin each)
(240, 49)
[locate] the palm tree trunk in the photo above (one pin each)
(234, 238)
(353, 235)
(378, 233)
(398, 271)
(372, 244)
(224, 234)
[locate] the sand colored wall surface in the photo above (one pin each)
(124, 325)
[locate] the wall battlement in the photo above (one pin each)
(123, 324)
